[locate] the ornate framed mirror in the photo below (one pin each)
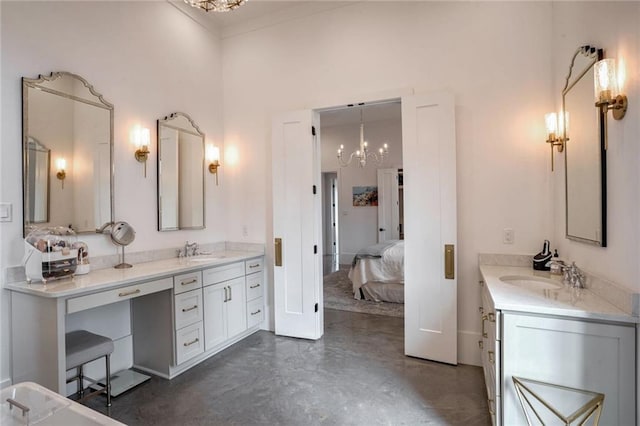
(64, 115)
(585, 158)
(180, 173)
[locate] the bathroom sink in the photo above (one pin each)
(531, 282)
(205, 258)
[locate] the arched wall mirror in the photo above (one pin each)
(180, 173)
(67, 153)
(585, 158)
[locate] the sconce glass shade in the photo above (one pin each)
(61, 164)
(563, 124)
(551, 122)
(605, 80)
(213, 154)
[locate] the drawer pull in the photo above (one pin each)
(196, 340)
(255, 265)
(13, 403)
(256, 312)
(193, 281)
(190, 309)
(484, 333)
(129, 293)
(491, 316)
(492, 357)
(254, 286)
(480, 344)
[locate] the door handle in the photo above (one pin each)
(278, 249)
(225, 294)
(449, 261)
(230, 294)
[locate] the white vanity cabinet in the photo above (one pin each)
(583, 353)
(225, 311)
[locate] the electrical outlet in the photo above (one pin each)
(508, 236)
(6, 212)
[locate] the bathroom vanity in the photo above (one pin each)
(536, 328)
(182, 311)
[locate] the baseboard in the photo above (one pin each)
(468, 350)
(5, 383)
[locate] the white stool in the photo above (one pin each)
(83, 347)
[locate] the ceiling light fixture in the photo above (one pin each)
(363, 153)
(216, 5)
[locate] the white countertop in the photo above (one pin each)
(565, 301)
(104, 279)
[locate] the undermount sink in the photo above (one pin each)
(205, 258)
(531, 282)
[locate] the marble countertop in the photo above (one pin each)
(564, 301)
(104, 279)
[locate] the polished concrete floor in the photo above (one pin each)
(355, 375)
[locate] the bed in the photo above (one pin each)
(377, 272)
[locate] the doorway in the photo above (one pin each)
(429, 144)
(365, 191)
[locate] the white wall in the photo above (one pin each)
(495, 58)
(358, 226)
(615, 27)
(121, 48)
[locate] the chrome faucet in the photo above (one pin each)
(188, 250)
(574, 276)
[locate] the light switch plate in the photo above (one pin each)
(6, 212)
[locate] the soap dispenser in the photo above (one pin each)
(541, 260)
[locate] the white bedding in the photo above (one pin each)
(387, 269)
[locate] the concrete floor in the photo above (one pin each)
(355, 375)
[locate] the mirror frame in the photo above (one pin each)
(162, 122)
(48, 184)
(34, 83)
(595, 55)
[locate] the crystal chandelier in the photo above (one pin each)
(216, 5)
(363, 154)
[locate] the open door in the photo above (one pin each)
(388, 207)
(429, 168)
(297, 225)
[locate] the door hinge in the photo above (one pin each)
(313, 130)
(316, 308)
(315, 249)
(314, 189)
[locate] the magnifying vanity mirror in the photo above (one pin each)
(67, 153)
(180, 173)
(585, 158)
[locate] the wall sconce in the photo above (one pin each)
(142, 140)
(61, 165)
(213, 158)
(607, 91)
(557, 131)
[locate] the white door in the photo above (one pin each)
(388, 208)
(236, 307)
(429, 163)
(215, 318)
(297, 226)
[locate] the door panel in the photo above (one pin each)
(388, 209)
(297, 222)
(428, 129)
(236, 307)
(214, 316)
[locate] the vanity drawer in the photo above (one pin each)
(189, 342)
(188, 308)
(254, 286)
(111, 296)
(222, 273)
(255, 312)
(254, 265)
(187, 282)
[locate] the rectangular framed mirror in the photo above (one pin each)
(72, 184)
(585, 157)
(180, 174)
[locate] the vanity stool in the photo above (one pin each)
(550, 402)
(83, 347)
